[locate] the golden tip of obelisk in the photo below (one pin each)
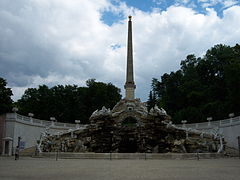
(129, 17)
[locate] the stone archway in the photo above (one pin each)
(7, 146)
(128, 144)
(128, 134)
(129, 122)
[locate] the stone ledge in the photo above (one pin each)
(69, 155)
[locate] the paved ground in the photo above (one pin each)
(83, 169)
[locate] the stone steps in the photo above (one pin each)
(28, 151)
(232, 152)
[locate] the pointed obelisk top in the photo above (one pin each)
(129, 85)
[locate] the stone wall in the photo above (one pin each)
(229, 128)
(30, 129)
(129, 128)
(2, 131)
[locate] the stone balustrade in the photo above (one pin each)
(229, 128)
(209, 125)
(42, 123)
(28, 130)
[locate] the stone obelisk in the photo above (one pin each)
(129, 85)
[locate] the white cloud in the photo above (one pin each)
(183, 1)
(159, 2)
(65, 42)
(229, 3)
(224, 3)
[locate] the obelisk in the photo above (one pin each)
(129, 85)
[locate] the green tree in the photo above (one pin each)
(203, 87)
(70, 102)
(100, 94)
(5, 97)
(151, 101)
(172, 98)
(232, 81)
(36, 101)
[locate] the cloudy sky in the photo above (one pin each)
(69, 41)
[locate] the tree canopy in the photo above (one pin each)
(70, 102)
(5, 97)
(203, 87)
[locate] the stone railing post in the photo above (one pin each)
(31, 115)
(184, 123)
(15, 109)
(52, 119)
(209, 119)
(77, 123)
(231, 115)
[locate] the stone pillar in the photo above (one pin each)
(3, 148)
(129, 85)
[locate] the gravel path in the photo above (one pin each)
(84, 169)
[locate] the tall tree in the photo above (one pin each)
(151, 101)
(70, 102)
(203, 87)
(5, 97)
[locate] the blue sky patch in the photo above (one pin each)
(115, 46)
(108, 17)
